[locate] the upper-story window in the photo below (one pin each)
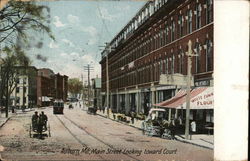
(197, 58)
(181, 62)
(172, 31)
(198, 16)
(189, 21)
(180, 22)
(209, 13)
(17, 89)
(172, 65)
(166, 66)
(166, 34)
(209, 59)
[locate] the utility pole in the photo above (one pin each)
(189, 67)
(88, 68)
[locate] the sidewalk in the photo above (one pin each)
(3, 119)
(201, 140)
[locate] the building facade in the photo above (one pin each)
(24, 93)
(45, 87)
(51, 86)
(154, 44)
(96, 89)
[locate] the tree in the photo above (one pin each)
(18, 17)
(75, 86)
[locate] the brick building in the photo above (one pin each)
(50, 86)
(45, 86)
(154, 44)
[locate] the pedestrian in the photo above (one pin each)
(35, 119)
(173, 128)
(193, 129)
(103, 110)
(43, 118)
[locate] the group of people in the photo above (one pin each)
(39, 121)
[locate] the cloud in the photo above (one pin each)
(104, 14)
(68, 42)
(92, 31)
(57, 22)
(73, 19)
(53, 45)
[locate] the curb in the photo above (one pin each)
(5, 122)
(183, 141)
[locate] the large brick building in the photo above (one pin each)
(153, 44)
(50, 86)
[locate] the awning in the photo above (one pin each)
(201, 98)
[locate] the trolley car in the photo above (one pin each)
(58, 107)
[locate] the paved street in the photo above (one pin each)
(77, 135)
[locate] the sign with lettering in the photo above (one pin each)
(202, 83)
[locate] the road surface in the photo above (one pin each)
(77, 135)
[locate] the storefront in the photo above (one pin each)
(201, 105)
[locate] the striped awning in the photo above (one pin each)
(200, 98)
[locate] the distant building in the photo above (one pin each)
(25, 92)
(51, 86)
(45, 87)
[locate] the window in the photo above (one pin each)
(180, 62)
(180, 22)
(17, 89)
(24, 80)
(166, 34)
(172, 65)
(166, 66)
(172, 31)
(197, 58)
(18, 100)
(24, 89)
(24, 99)
(198, 16)
(189, 21)
(209, 11)
(209, 60)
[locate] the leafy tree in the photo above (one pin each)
(75, 86)
(17, 18)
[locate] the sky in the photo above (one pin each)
(80, 28)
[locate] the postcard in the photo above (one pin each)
(124, 80)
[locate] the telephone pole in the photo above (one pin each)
(88, 68)
(189, 67)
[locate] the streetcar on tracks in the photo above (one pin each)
(58, 107)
